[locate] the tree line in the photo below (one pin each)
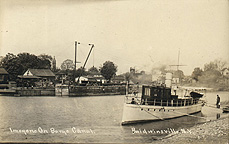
(212, 75)
(18, 64)
(107, 70)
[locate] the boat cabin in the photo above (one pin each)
(161, 96)
(157, 92)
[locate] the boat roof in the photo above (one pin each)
(195, 88)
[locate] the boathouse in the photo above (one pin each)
(39, 78)
(42, 73)
(37, 82)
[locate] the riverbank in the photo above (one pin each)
(210, 87)
(211, 132)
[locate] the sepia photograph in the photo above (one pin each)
(114, 71)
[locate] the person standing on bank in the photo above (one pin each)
(218, 101)
(133, 101)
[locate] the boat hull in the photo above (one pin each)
(133, 113)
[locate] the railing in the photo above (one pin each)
(156, 102)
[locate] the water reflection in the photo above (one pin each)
(101, 114)
(217, 116)
(181, 122)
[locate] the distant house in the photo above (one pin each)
(118, 79)
(61, 76)
(82, 79)
(225, 72)
(91, 80)
(100, 79)
(136, 74)
(4, 76)
(176, 80)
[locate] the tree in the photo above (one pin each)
(12, 65)
(196, 73)
(215, 65)
(220, 64)
(210, 66)
(108, 70)
(67, 65)
(178, 74)
(32, 61)
(18, 64)
(210, 77)
(47, 59)
(93, 70)
(80, 72)
(212, 72)
(8, 57)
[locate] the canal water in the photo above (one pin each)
(87, 119)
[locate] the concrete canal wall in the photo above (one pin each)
(73, 91)
(97, 90)
(36, 92)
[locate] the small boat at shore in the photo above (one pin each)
(226, 109)
(157, 103)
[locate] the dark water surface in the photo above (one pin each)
(85, 120)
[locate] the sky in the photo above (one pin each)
(131, 33)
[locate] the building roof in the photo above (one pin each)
(225, 69)
(61, 72)
(119, 77)
(28, 77)
(3, 71)
(42, 72)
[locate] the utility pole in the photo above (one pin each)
(92, 46)
(74, 74)
(178, 64)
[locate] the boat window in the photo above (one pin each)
(155, 92)
(147, 91)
